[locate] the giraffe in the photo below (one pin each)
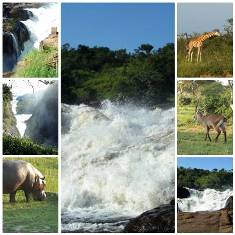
(197, 43)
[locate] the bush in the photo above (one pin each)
(24, 146)
(184, 100)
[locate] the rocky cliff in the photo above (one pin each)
(9, 120)
(42, 127)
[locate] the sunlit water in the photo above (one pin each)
(206, 200)
(40, 25)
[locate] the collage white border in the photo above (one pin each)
(60, 190)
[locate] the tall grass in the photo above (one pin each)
(217, 59)
(38, 64)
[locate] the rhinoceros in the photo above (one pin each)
(21, 175)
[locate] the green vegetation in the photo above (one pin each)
(202, 179)
(209, 97)
(23, 146)
(91, 75)
(35, 216)
(217, 56)
(9, 124)
(38, 64)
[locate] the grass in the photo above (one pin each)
(35, 216)
(24, 146)
(38, 64)
(190, 136)
(217, 60)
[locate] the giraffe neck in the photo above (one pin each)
(204, 37)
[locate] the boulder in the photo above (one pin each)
(158, 220)
(182, 192)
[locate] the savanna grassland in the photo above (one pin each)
(190, 133)
(217, 55)
(35, 216)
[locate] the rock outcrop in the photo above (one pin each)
(220, 221)
(182, 192)
(158, 220)
(51, 42)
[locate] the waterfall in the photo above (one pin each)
(118, 161)
(206, 200)
(39, 26)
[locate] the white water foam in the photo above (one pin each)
(116, 161)
(206, 200)
(40, 25)
(21, 119)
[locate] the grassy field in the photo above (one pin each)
(35, 216)
(190, 136)
(38, 64)
(24, 146)
(217, 59)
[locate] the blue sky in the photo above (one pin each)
(202, 17)
(208, 163)
(117, 26)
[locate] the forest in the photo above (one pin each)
(93, 74)
(202, 179)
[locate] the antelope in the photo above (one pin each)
(212, 121)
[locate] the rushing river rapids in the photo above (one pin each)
(117, 162)
(206, 200)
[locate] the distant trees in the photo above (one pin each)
(94, 74)
(202, 179)
(209, 96)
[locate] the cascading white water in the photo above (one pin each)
(117, 161)
(20, 118)
(206, 200)
(39, 26)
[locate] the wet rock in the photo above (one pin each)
(182, 192)
(158, 220)
(20, 14)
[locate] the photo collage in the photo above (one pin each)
(117, 117)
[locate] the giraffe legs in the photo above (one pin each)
(191, 59)
(200, 55)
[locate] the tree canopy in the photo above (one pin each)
(202, 179)
(145, 76)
